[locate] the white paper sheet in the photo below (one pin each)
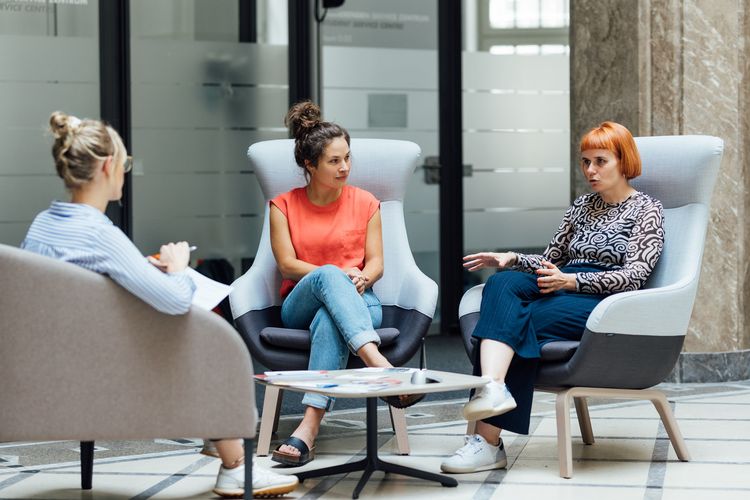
(208, 293)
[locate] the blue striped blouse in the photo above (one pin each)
(82, 235)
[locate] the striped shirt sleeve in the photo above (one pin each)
(170, 293)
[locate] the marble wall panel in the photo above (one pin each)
(664, 80)
(711, 38)
(604, 70)
(744, 158)
(691, 63)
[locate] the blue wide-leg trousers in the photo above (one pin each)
(514, 312)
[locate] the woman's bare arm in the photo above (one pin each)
(281, 243)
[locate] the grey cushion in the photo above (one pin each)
(291, 338)
(559, 350)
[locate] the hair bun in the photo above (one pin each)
(302, 118)
(62, 124)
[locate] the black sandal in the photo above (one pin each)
(401, 403)
(306, 455)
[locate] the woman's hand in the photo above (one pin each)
(489, 259)
(173, 257)
(551, 279)
(358, 278)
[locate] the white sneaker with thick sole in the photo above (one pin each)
(489, 401)
(475, 456)
(230, 483)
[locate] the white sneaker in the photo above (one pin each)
(489, 401)
(230, 483)
(476, 455)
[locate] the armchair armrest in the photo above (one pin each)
(654, 311)
(663, 311)
(471, 301)
(255, 290)
(418, 292)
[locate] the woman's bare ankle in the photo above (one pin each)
(372, 357)
(489, 433)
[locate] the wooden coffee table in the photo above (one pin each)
(333, 384)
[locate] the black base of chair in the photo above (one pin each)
(87, 464)
(372, 462)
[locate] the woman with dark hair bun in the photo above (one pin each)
(326, 238)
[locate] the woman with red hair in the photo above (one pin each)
(608, 242)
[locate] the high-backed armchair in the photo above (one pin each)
(83, 359)
(633, 339)
(384, 168)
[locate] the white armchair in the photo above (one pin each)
(633, 339)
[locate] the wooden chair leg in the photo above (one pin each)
(564, 445)
(268, 418)
(670, 424)
(584, 420)
(471, 427)
(87, 464)
(398, 421)
(277, 411)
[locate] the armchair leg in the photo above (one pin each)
(248, 469)
(277, 411)
(87, 464)
(670, 424)
(269, 418)
(564, 446)
(398, 420)
(584, 421)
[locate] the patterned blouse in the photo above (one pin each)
(625, 238)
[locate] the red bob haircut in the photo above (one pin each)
(618, 139)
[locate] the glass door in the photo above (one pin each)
(50, 61)
(209, 78)
(516, 105)
(379, 80)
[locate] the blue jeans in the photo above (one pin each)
(339, 318)
(514, 312)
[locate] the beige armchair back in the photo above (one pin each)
(83, 359)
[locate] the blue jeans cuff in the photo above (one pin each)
(318, 401)
(357, 341)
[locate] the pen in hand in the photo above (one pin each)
(157, 256)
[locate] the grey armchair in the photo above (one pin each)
(633, 339)
(82, 359)
(384, 168)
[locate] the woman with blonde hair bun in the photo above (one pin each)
(91, 159)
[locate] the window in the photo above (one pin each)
(521, 27)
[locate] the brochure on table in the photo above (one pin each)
(362, 380)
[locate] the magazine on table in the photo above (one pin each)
(362, 380)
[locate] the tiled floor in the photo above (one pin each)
(631, 458)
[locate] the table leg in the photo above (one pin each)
(371, 462)
(369, 469)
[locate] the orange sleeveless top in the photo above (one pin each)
(332, 234)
